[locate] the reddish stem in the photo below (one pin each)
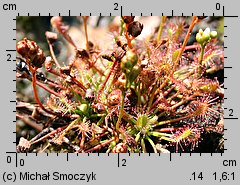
(100, 145)
(129, 40)
(48, 89)
(79, 83)
(55, 85)
(106, 79)
(191, 47)
(34, 80)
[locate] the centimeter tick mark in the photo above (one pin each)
(230, 118)
(10, 50)
(16, 159)
(118, 158)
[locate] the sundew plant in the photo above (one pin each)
(120, 84)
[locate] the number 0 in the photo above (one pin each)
(116, 6)
(217, 6)
(21, 162)
(9, 159)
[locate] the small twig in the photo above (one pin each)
(69, 127)
(100, 145)
(53, 54)
(33, 141)
(29, 122)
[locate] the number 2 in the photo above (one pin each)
(116, 6)
(9, 57)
